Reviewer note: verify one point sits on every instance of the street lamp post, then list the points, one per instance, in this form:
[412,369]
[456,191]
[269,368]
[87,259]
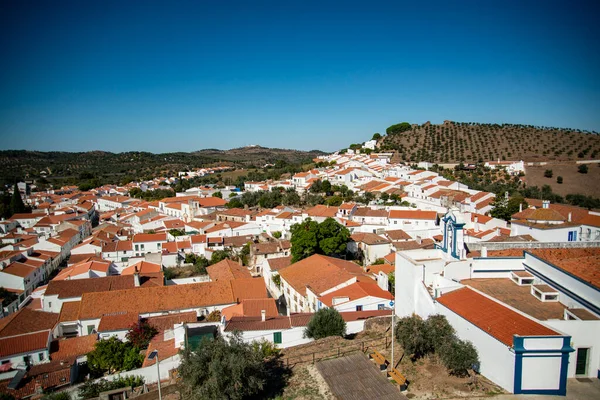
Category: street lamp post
[393,314]
[152,356]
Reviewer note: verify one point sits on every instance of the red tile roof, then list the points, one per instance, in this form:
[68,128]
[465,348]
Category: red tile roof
[150,237]
[227,270]
[155,299]
[24,343]
[118,321]
[356,291]
[63,349]
[493,318]
[143,267]
[248,288]
[583,263]
[251,308]
[163,322]
[69,311]
[26,321]
[321,273]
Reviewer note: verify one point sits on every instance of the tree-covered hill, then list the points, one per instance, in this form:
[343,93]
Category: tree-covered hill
[110,166]
[453,142]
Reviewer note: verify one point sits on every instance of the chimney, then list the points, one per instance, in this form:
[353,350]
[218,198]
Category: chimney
[483,251]
[263,315]
[136,277]
[476,224]
[569,217]
[520,207]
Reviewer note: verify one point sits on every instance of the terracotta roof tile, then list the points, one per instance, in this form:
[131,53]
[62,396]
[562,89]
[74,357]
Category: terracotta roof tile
[164,322]
[77,287]
[356,291]
[320,273]
[493,318]
[63,349]
[251,308]
[227,270]
[583,263]
[24,343]
[26,321]
[69,311]
[155,299]
[118,321]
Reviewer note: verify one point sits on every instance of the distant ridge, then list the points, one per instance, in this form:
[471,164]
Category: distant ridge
[25,163]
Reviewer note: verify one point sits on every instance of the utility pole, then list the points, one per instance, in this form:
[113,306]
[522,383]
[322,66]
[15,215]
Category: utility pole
[393,314]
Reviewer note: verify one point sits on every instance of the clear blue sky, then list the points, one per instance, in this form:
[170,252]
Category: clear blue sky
[181,76]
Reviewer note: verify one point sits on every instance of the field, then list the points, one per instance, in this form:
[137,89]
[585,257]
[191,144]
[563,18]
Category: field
[471,142]
[573,181]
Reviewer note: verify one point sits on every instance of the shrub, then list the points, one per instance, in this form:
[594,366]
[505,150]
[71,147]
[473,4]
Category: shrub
[583,169]
[326,322]
[276,234]
[140,334]
[548,173]
[439,331]
[221,369]
[92,389]
[214,316]
[411,333]
[559,179]
[458,356]
[112,355]
[57,396]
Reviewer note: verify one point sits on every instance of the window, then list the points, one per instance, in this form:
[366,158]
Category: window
[277,337]
[90,329]
[581,363]
[49,304]
[573,236]
[381,306]
[42,356]
[359,308]
[142,247]
[137,247]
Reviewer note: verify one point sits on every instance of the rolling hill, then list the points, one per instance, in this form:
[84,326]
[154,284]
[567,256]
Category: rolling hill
[453,142]
[110,166]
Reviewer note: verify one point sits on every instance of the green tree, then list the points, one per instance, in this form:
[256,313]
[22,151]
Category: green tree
[16,202]
[235,203]
[326,187]
[304,239]
[217,194]
[376,136]
[392,282]
[221,369]
[112,355]
[559,179]
[276,234]
[309,237]
[504,209]
[548,173]
[333,237]
[458,356]
[583,169]
[326,322]
[411,333]
[439,331]
[219,255]
[398,128]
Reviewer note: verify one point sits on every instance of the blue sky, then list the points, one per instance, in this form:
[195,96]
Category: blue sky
[181,76]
